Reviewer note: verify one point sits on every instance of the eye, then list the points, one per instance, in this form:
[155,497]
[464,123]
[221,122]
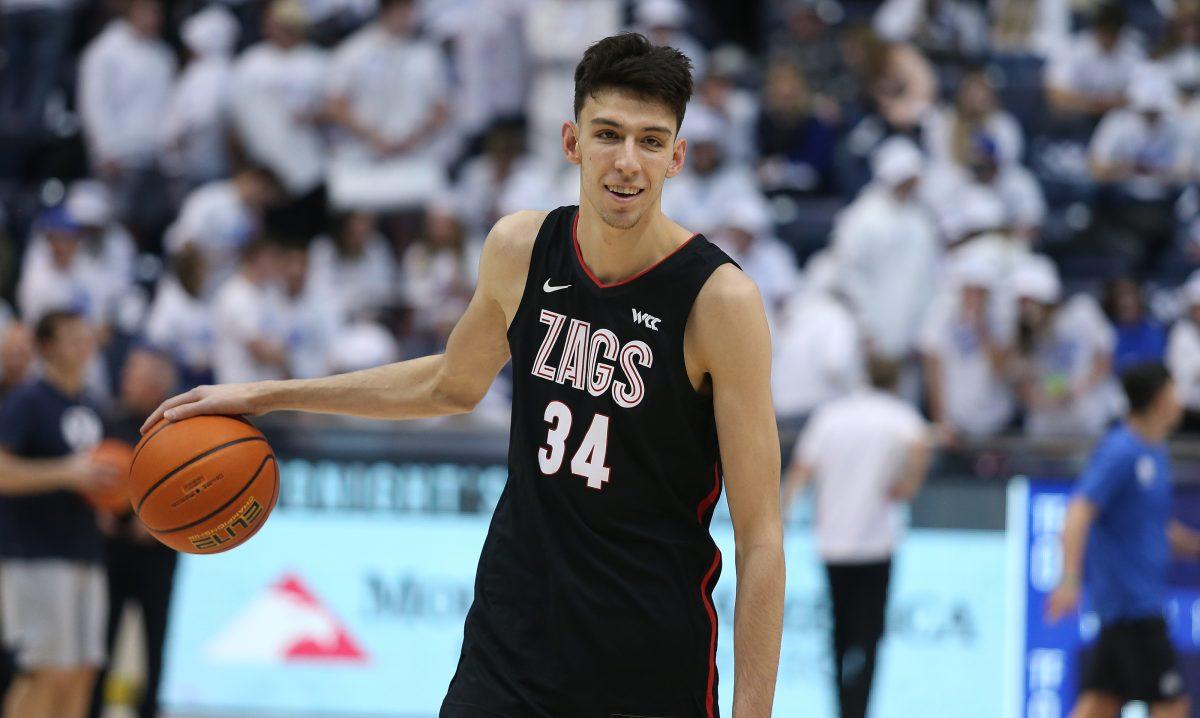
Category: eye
[653,142]
[606,134]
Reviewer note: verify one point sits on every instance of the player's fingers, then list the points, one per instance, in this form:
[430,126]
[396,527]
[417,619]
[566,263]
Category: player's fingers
[168,406]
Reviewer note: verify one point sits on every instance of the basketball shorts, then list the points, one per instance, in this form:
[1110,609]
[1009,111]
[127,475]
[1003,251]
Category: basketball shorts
[1135,661]
[53,612]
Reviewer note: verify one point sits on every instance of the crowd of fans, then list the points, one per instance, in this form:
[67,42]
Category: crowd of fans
[1002,194]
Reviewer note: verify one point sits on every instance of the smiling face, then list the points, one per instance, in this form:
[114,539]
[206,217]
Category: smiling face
[626,147]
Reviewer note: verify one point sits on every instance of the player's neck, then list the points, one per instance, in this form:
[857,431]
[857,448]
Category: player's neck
[67,383]
[1147,430]
[614,254]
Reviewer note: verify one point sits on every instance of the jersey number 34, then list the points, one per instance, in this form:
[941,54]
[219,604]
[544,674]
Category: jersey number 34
[588,460]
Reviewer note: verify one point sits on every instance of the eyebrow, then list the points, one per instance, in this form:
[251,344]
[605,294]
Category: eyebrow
[614,123]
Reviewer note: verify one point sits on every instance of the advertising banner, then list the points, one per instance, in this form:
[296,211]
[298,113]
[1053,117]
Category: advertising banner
[351,600]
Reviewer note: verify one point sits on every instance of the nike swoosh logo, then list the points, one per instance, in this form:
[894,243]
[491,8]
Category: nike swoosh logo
[548,287]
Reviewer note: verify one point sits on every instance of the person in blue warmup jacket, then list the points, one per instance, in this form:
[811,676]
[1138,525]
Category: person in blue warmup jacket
[1117,541]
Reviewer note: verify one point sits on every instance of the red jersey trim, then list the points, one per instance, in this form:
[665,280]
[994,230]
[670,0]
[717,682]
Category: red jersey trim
[705,505]
[596,280]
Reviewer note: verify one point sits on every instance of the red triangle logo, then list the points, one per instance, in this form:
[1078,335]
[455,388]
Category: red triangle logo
[341,646]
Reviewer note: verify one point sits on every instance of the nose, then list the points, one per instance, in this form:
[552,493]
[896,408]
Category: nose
[627,163]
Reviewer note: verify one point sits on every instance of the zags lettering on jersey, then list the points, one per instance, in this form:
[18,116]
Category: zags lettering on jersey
[589,359]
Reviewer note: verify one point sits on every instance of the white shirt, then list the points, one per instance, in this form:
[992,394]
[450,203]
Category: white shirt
[219,223]
[1183,359]
[817,353]
[480,189]
[948,187]
[1081,66]
[977,398]
[937,132]
[439,283]
[540,185]
[361,284]
[1124,137]
[701,202]
[857,448]
[886,253]
[197,120]
[243,312]
[272,94]
[311,322]
[1078,333]
[490,59]
[183,325]
[125,83]
[392,84]
[83,286]
[1047,30]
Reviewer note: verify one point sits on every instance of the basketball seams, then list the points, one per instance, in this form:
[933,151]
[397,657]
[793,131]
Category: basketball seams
[222,507]
[189,462]
[267,512]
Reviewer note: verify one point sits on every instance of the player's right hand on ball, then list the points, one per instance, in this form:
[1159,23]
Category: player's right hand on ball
[228,399]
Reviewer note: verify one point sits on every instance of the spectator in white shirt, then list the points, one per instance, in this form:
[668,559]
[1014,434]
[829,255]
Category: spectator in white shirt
[485,178]
[887,247]
[1029,27]
[107,240]
[556,34]
[312,317]
[1183,352]
[1090,74]
[180,321]
[949,132]
[738,108]
[817,347]
[1180,54]
[866,455]
[277,97]
[221,217]
[952,189]
[126,75]
[389,96]
[356,265]
[700,196]
[943,29]
[439,275]
[249,319]
[1064,357]
[664,23]
[965,352]
[195,128]
[56,274]
[1143,152]
[747,235]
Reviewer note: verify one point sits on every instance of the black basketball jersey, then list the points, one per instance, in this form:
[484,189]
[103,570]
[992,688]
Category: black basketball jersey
[593,596]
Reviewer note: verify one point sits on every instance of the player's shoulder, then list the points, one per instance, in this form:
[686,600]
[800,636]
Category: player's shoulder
[727,293]
[509,247]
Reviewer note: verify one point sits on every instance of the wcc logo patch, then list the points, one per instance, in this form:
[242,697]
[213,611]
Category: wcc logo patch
[645,320]
[1146,470]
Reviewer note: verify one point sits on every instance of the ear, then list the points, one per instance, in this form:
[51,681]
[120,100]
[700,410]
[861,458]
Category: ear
[678,155]
[570,142]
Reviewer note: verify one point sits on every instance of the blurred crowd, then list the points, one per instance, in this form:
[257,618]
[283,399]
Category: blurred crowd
[1001,194]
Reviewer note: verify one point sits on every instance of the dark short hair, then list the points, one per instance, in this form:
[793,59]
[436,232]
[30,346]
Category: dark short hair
[46,328]
[884,372]
[1110,16]
[1143,383]
[630,62]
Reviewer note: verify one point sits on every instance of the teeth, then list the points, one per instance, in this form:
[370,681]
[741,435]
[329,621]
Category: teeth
[625,191]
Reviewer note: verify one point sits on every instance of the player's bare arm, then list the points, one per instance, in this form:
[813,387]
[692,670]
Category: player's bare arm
[1080,515]
[449,383]
[19,476]
[728,339]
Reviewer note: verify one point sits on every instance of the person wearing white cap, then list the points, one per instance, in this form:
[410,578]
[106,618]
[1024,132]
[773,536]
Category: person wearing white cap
[389,95]
[664,21]
[817,345]
[747,235]
[1064,356]
[277,98]
[1183,352]
[887,247]
[964,351]
[700,196]
[194,146]
[1143,152]
[89,204]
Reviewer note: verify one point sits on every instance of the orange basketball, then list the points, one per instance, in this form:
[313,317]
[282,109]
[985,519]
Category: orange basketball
[204,484]
[119,455]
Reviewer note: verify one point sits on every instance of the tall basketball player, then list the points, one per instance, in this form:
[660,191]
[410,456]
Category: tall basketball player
[641,364]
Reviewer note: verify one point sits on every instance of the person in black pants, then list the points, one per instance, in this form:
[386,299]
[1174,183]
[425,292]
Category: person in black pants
[140,569]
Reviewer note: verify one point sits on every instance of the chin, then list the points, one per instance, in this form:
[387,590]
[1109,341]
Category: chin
[620,220]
